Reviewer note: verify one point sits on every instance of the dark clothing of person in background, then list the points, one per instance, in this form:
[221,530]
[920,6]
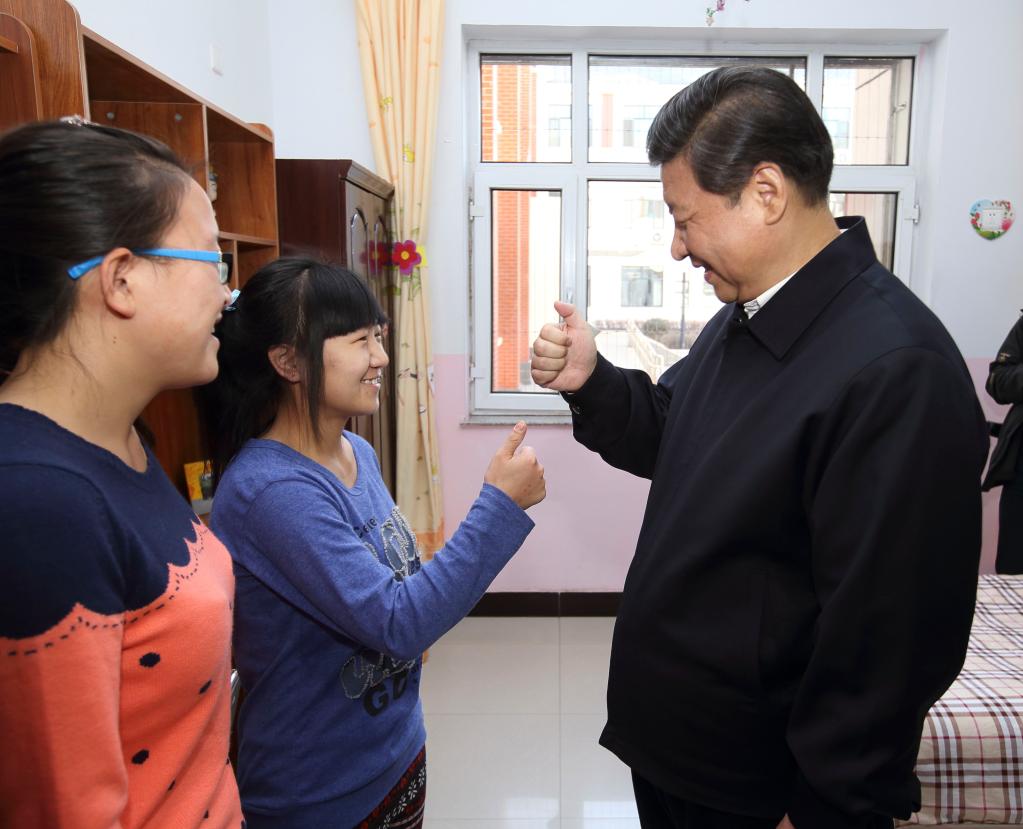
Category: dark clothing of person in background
[1005,385]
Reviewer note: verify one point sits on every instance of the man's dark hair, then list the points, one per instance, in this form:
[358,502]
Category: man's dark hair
[733,118]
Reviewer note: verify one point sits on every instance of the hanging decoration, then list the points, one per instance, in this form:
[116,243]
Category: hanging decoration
[406,257]
[991,219]
[719,6]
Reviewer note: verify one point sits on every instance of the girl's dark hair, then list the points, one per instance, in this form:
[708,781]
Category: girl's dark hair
[70,191]
[729,120]
[292,301]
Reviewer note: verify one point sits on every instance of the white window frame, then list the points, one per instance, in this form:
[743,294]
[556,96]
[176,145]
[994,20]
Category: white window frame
[572,179]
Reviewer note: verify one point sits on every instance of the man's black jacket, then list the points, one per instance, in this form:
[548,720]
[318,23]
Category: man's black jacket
[804,580]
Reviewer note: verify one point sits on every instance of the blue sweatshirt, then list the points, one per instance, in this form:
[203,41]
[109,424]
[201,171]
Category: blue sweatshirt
[332,614]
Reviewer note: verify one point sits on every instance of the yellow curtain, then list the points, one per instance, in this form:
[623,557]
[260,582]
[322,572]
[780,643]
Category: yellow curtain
[399,47]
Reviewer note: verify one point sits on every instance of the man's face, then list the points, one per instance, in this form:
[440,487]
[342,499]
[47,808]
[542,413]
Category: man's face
[715,235]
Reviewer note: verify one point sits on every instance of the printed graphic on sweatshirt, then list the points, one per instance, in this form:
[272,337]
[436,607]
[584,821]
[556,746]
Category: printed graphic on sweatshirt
[368,670]
[400,549]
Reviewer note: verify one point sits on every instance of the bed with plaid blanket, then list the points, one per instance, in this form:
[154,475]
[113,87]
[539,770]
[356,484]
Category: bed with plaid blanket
[971,756]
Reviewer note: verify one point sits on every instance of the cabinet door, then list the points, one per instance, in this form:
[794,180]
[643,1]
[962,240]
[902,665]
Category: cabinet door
[359,208]
[381,276]
[366,242]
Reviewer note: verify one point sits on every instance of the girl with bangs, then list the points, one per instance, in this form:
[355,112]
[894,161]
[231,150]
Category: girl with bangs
[334,608]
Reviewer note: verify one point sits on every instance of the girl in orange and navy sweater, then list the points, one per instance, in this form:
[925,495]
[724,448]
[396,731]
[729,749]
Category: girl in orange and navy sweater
[115,600]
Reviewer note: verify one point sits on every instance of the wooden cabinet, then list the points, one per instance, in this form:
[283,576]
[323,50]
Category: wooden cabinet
[337,211]
[21,99]
[77,72]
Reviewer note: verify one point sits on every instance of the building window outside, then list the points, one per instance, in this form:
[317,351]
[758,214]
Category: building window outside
[591,227]
[559,125]
[641,287]
[836,119]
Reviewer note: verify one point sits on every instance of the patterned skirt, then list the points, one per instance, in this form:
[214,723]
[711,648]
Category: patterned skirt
[403,806]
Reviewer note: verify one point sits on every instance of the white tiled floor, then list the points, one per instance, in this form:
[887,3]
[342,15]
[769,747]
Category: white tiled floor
[514,708]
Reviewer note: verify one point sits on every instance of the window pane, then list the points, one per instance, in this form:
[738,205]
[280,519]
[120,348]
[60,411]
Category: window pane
[526,277]
[866,109]
[625,94]
[879,209]
[526,107]
[639,299]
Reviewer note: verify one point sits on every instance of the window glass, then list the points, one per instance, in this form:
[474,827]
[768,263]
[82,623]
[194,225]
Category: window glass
[647,308]
[867,107]
[526,107]
[526,273]
[879,209]
[625,93]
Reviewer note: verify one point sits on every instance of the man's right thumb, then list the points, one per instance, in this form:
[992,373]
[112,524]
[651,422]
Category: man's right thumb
[566,311]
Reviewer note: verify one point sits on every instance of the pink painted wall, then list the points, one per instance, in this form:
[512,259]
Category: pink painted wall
[587,527]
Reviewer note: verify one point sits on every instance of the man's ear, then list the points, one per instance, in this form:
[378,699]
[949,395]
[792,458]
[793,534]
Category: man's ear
[116,282]
[285,362]
[770,191]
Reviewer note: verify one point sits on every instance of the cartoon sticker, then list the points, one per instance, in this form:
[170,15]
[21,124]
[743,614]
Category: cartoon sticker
[991,219]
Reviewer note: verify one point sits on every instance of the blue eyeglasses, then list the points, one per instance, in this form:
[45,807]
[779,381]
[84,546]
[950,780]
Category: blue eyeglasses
[221,260]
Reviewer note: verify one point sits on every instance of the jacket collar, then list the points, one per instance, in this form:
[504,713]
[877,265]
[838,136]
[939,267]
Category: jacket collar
[791,311]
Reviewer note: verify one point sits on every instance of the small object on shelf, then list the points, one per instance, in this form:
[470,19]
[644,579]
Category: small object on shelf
[199,477]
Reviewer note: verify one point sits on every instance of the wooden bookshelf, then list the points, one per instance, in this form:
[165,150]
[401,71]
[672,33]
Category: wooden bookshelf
[77,71]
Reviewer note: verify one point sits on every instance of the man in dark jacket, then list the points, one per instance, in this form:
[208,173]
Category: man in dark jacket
[803,584]
[1005,385]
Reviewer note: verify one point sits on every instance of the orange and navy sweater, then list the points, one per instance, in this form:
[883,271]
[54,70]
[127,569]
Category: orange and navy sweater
[115,631]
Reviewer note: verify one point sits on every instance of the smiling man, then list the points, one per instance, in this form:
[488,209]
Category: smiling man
[803,584]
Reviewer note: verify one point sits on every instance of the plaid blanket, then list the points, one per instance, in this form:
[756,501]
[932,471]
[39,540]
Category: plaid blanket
[971,757]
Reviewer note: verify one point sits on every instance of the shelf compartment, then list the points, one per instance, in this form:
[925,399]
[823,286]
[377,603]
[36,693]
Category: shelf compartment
[114,75]
[263,241]
[244,165]
[249,253]
[178,125]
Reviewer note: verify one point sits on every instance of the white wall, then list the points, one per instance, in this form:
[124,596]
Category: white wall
[317,83]
[175,40]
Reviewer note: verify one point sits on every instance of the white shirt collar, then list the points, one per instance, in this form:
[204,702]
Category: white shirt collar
[755,305]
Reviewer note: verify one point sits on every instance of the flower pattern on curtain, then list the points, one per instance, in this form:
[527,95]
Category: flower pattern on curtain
[399,48]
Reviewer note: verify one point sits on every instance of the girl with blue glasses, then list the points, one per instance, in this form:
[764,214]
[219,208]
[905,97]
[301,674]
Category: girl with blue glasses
[115,601]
